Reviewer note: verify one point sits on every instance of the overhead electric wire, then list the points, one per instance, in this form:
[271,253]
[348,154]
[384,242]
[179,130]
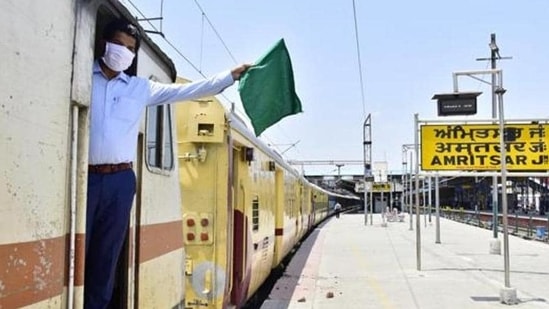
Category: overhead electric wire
[201,40]
[357,40]
[196,68]
[205,16]
[215,31]
[166,40]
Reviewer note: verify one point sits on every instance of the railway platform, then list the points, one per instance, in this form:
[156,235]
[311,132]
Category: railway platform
[346,264]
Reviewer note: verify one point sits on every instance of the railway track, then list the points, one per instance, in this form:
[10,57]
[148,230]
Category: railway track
[531,226]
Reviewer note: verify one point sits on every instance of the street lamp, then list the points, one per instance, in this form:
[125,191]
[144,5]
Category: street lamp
[497,96]
[339,165]
[507,294]
[368,177]
[494,56]
[403,180]
[390,181]
[405,149]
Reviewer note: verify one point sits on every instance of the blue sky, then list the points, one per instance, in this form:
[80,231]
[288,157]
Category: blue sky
[409,50]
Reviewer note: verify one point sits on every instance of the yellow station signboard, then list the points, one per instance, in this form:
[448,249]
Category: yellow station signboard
[381,187]
[476,147]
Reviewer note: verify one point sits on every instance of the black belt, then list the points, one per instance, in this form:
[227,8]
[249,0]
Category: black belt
[109,168]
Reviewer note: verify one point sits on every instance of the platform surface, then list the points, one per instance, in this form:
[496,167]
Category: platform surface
[347,264]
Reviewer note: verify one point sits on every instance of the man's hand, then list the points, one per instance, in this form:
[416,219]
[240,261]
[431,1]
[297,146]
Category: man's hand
[239,70]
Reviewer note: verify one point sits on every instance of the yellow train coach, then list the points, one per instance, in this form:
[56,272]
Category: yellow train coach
[244,208]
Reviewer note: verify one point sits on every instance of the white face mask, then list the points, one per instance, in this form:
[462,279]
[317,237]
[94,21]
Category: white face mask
[117,57]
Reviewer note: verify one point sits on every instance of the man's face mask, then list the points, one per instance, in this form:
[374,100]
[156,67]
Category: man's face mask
[117,57]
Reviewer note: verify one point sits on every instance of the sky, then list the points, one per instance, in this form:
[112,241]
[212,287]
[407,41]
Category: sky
[408,51]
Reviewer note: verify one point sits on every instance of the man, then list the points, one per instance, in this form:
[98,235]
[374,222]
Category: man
[117,103]
[337,209]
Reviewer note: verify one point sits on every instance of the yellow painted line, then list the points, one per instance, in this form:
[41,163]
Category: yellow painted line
[372,282]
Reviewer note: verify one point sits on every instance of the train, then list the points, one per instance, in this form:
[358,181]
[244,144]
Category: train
[215,209]
[244,207]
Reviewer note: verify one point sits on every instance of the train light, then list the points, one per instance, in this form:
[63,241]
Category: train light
[247,154]
[204,222]
[202,153]
[190,222]
[207,282]
[272,166]
[190,236]
[188,266]
[204,236]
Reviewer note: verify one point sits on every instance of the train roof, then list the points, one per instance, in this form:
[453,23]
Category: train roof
[238,124]
[335,194]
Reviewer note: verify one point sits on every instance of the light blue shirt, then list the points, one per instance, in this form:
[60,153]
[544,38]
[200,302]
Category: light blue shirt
[117,106]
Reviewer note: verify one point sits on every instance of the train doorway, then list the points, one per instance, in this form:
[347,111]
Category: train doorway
[123,287]
[240,230]
[126,284]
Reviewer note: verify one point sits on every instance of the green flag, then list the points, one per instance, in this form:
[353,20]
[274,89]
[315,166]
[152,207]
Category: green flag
[267,89]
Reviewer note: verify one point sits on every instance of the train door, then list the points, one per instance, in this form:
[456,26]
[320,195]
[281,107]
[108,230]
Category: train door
[313,208]
[296,209]
[135,229]
[231,201]
[300,227]
[241,236]
[280,203]
[123,289]
[308,196]
[125,293]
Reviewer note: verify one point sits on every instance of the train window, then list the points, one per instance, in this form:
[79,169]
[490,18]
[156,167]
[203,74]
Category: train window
[159,151]
[255,214]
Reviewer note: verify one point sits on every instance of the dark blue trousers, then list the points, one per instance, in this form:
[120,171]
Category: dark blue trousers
[110,198]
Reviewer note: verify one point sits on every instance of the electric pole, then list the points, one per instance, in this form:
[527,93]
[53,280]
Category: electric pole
[494,57]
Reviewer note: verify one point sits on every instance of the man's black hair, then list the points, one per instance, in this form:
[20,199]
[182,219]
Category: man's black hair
[123,26]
